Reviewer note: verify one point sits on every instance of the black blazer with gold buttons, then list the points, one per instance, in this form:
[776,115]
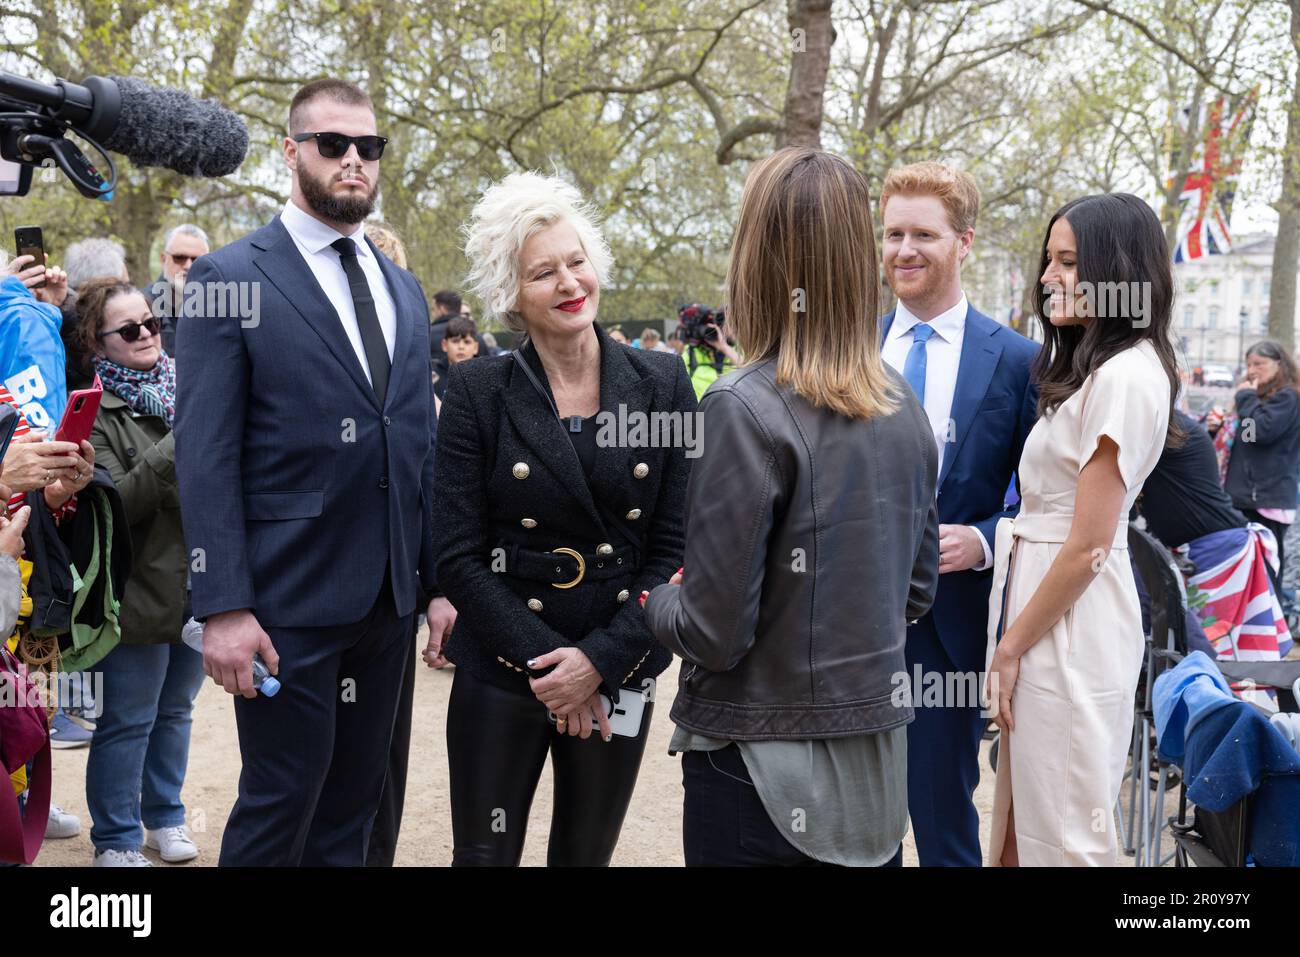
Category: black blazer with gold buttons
[533,554]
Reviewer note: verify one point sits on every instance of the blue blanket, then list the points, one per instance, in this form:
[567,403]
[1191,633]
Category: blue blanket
[1182,697]
[1233,752]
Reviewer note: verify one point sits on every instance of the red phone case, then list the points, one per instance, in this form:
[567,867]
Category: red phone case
[79,414]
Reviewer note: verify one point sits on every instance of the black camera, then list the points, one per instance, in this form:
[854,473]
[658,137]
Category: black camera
[696,319]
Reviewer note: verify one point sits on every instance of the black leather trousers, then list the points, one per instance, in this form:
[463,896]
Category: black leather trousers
[497,743]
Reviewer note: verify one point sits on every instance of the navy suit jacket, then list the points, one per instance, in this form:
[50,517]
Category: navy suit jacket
[993,409]
[299,488]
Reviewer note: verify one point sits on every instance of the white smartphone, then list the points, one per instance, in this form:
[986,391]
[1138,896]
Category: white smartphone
[625,719]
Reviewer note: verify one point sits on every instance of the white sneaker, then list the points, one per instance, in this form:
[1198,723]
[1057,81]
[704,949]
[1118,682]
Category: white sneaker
[113,858]
[61,823]
[173,844]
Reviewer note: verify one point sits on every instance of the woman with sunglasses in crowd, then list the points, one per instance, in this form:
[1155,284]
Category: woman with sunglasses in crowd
[141,745]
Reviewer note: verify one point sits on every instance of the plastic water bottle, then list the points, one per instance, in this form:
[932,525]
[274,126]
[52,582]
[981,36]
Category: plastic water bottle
[263,681]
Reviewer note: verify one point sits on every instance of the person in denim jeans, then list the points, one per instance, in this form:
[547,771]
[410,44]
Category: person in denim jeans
[141,746]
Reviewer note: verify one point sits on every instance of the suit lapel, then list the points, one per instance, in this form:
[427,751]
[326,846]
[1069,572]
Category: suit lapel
[625,395]
[405,319]
[285,268]
[544,434]
[979,359]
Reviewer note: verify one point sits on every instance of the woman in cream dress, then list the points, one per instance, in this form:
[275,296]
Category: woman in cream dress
[1063,675]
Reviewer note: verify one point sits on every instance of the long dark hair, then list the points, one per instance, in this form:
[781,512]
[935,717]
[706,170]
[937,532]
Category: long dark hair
[1121,252]
[1286,369]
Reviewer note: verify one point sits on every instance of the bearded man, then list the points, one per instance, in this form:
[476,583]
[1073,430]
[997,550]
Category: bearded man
[971,374]
[304,459]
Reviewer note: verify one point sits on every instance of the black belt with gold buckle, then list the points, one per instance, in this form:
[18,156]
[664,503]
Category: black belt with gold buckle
[567,567]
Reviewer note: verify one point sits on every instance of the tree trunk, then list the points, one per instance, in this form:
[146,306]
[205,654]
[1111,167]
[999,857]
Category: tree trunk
[1286,251]
[811,36]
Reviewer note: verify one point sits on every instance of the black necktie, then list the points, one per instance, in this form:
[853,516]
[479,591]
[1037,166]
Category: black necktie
[372,336]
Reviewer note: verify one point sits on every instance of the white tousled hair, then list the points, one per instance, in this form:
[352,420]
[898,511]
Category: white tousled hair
[502,221]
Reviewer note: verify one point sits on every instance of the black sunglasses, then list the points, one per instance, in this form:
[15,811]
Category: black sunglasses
[334,145]
[130,331]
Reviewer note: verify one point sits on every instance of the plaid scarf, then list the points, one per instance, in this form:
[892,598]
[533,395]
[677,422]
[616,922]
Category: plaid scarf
[152,392]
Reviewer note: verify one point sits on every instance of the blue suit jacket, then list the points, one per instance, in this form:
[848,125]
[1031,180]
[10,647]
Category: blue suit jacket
[298,487]
[993,408]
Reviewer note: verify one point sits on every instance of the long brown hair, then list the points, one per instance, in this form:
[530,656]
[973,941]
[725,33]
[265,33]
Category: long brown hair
[1286,369]
[803,285]
[1121,246]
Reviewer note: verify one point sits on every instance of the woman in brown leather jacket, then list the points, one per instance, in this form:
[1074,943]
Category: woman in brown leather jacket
[812,540]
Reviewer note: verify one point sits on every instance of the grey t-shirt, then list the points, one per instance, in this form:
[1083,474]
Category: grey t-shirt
[838,800]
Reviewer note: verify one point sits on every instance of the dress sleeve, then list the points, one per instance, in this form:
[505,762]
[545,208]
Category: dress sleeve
[1127,400]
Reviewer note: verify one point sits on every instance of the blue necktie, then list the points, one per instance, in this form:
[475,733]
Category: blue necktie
[914,367]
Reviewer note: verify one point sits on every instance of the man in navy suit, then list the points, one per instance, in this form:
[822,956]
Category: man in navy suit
[304,456]
[972,376]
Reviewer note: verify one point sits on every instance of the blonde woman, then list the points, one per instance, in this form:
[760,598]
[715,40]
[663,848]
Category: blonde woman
[546,533]
[812,542]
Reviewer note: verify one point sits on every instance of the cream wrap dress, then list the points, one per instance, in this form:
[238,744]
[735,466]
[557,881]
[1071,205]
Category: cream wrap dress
[1072,705]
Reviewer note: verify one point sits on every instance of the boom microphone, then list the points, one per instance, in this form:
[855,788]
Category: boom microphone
[168,128]
[151,126]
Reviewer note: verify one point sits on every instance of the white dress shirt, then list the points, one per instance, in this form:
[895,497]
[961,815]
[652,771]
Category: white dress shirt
[313,238]
[942,360]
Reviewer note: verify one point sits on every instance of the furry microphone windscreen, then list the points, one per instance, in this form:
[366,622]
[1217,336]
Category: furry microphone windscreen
[164,127]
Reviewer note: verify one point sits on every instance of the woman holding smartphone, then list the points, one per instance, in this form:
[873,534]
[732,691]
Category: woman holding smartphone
[141,746]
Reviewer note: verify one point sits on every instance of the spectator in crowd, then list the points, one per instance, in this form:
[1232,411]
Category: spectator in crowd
[446,305]
[181,246]
[87,259]
[490,341]
[1261,443]
[784,709]
[583,526]
[618,335]
[95,258]
[386,239]
[705,348]
[459,343]
[32,358]
[1232,604]
[1062,694]
[141,745]
[30,318]
[652,341]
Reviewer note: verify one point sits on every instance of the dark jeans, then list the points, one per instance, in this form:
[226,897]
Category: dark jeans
[724,823]
[315,756]
[497,743]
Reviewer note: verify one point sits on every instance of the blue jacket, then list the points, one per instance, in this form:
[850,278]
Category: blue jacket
[994,407]
[1234,752]
[32,355]
[1182,696]
[299,489]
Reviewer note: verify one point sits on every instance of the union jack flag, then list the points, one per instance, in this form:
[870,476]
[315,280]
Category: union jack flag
[1212,180]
